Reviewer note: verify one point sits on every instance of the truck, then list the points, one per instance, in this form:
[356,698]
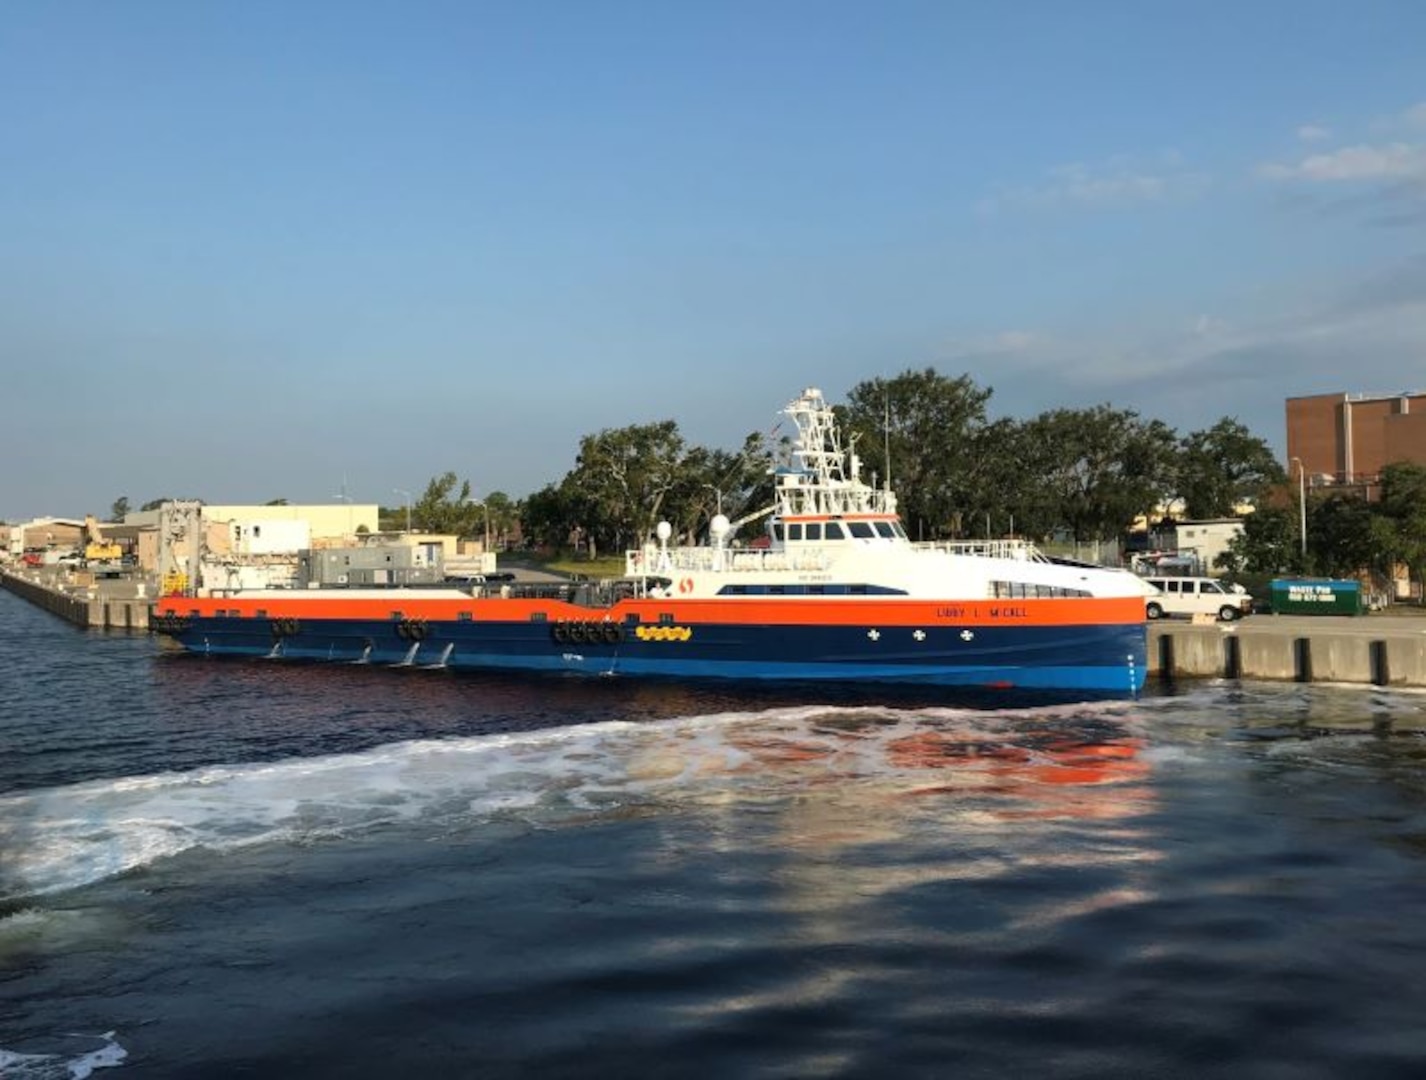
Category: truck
[101,555]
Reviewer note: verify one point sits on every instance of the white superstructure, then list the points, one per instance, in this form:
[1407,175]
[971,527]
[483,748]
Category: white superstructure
[830,532]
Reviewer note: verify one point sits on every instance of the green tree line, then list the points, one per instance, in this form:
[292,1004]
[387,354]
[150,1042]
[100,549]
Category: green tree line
[1338,534]
[1082,473]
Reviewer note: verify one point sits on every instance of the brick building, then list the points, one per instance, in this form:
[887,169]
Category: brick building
[1348,438]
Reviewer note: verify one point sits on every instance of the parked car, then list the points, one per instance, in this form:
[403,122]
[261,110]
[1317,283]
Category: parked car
[1197,596]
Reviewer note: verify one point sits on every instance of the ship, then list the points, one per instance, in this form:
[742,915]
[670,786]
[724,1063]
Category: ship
[834,591]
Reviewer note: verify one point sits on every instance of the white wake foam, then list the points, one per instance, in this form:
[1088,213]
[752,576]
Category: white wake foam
[18,1066]
[62,838]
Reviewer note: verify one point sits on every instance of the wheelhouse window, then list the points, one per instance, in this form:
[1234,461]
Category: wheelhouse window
[794,531]
[814,531]
[884,529]
[834,531]
[861,530]
[1024,590]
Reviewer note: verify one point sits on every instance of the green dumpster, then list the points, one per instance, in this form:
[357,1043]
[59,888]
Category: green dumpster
[1315,596]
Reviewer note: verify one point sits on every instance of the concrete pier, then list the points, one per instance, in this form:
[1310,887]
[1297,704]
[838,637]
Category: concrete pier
[1380,650]
[120,604]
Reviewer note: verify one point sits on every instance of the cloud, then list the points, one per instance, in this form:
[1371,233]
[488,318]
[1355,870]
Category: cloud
[988,346]
[1353,163]
[1207,326]
[1013,341]
[1118,182]
[1383,182]
[1313,133]
[1359,340]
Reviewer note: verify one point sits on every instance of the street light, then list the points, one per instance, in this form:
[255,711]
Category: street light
[1301,500]
[716,491]
[348,500]
[485,506]
[399,491]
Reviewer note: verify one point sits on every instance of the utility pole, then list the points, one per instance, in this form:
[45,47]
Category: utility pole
[1302,502]
[486,507]
[400,491]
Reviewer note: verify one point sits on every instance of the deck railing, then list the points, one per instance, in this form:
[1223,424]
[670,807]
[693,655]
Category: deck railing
[669,562]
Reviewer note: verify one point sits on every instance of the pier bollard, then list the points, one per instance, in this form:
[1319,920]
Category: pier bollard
[1232,657]
[1380,663]
[1166,662]
[1302,658]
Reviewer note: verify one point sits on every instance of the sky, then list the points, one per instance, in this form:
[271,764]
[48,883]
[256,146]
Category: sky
[258,250]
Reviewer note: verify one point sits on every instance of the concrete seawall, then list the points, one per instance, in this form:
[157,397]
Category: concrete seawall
[103,605]
[1376,650]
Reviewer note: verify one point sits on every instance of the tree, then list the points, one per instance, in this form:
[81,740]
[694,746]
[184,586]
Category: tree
[120,508]
[744,481]
[445,507]
[1341,539]
[931,426]
[710,482]
[276,502]
[502,513]
[1222,467]
[623,476]
[552,514]
[1103,467]
[1403,514]
[1269,544]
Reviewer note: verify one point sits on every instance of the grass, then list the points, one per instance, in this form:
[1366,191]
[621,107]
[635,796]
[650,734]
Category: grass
[564,562]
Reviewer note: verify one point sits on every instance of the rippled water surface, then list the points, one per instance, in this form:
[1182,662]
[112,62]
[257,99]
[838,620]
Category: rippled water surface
[226,868]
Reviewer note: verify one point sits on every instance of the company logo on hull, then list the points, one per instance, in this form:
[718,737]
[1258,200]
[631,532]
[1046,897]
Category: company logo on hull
[663,633]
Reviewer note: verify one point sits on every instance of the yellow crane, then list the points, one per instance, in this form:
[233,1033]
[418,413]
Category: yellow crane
[101,554]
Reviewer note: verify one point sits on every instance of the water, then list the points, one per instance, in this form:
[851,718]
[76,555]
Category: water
[228,868]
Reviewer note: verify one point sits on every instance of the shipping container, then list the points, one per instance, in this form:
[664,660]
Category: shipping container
[368,565]
[1315,596]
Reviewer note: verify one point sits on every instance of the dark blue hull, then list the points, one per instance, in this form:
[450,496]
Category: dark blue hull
[1091,659]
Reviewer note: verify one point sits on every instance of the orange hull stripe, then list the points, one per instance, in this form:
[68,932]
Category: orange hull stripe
[724,610]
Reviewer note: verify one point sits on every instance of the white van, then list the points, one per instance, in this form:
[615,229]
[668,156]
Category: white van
[1196,596]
